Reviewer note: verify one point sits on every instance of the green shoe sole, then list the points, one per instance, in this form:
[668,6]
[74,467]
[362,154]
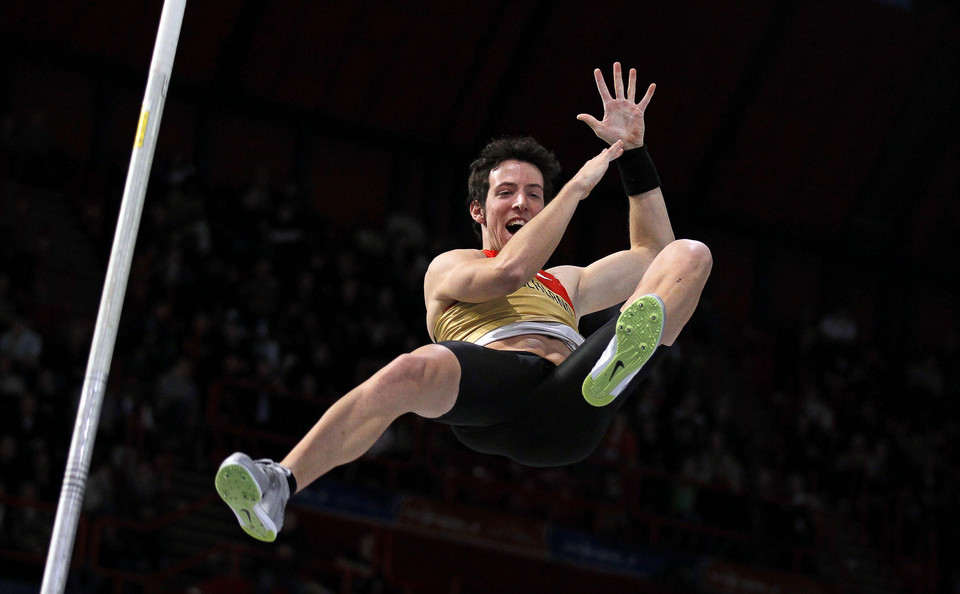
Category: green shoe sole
[639,329]
[238,490]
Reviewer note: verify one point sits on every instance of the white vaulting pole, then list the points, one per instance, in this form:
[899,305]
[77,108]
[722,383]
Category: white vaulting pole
[111,302]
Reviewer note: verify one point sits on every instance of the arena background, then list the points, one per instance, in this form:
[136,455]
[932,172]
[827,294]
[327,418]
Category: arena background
[312,158]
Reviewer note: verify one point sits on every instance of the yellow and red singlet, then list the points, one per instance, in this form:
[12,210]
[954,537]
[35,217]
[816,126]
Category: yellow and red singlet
[540,306]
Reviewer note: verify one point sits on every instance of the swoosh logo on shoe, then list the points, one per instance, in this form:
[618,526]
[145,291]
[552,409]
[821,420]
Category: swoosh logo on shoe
[246,514]
[616,366]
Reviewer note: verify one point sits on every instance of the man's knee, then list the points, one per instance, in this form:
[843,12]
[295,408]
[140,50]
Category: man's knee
[420,368]
[695,252]
[693,255]
[428,377]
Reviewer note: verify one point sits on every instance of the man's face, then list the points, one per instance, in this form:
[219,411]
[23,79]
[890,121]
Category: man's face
[515,196]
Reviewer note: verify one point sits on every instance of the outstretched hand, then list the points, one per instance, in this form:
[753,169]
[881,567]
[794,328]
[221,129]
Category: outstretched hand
[592,171]
[622,116]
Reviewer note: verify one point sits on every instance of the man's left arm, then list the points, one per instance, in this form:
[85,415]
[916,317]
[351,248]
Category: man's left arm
[613,279]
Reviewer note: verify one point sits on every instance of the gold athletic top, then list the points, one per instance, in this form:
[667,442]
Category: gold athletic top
[542,299]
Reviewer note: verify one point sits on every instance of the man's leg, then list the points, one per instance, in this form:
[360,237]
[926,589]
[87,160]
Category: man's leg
[677,276]
[424,382]
[659,308]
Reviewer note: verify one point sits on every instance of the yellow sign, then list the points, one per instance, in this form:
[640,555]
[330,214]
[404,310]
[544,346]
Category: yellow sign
[142,128]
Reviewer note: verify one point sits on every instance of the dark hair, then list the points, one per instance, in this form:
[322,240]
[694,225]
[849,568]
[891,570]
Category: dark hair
[510,148]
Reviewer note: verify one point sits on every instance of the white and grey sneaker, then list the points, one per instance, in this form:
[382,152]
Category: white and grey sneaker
[257,491]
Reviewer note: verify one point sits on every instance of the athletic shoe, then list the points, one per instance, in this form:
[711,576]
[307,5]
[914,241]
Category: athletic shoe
[639,329]
[257,491]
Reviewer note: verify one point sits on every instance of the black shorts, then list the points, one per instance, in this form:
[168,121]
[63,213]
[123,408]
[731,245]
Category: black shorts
[521,406]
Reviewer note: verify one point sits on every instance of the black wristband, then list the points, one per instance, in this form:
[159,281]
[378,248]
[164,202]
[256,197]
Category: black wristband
[637,171]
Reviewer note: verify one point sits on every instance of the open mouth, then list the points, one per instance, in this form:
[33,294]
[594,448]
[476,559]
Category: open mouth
[515,225]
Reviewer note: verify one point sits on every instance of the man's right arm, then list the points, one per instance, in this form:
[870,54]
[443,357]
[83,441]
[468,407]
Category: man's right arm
[454,275]
[468,275]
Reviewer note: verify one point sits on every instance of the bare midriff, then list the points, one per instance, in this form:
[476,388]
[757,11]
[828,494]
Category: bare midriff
[551,349]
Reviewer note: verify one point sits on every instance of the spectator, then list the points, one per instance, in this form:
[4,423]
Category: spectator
[178,407]
[12,383]
[21,343]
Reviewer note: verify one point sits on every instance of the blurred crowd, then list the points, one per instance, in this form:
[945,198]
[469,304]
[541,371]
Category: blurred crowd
[251,283]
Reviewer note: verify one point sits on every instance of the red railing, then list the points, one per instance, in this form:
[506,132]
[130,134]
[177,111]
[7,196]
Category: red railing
[452,469]
[383,564]
[234,556]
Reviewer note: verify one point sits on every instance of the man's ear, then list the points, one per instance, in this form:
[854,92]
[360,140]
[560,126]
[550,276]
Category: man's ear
[476,211]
